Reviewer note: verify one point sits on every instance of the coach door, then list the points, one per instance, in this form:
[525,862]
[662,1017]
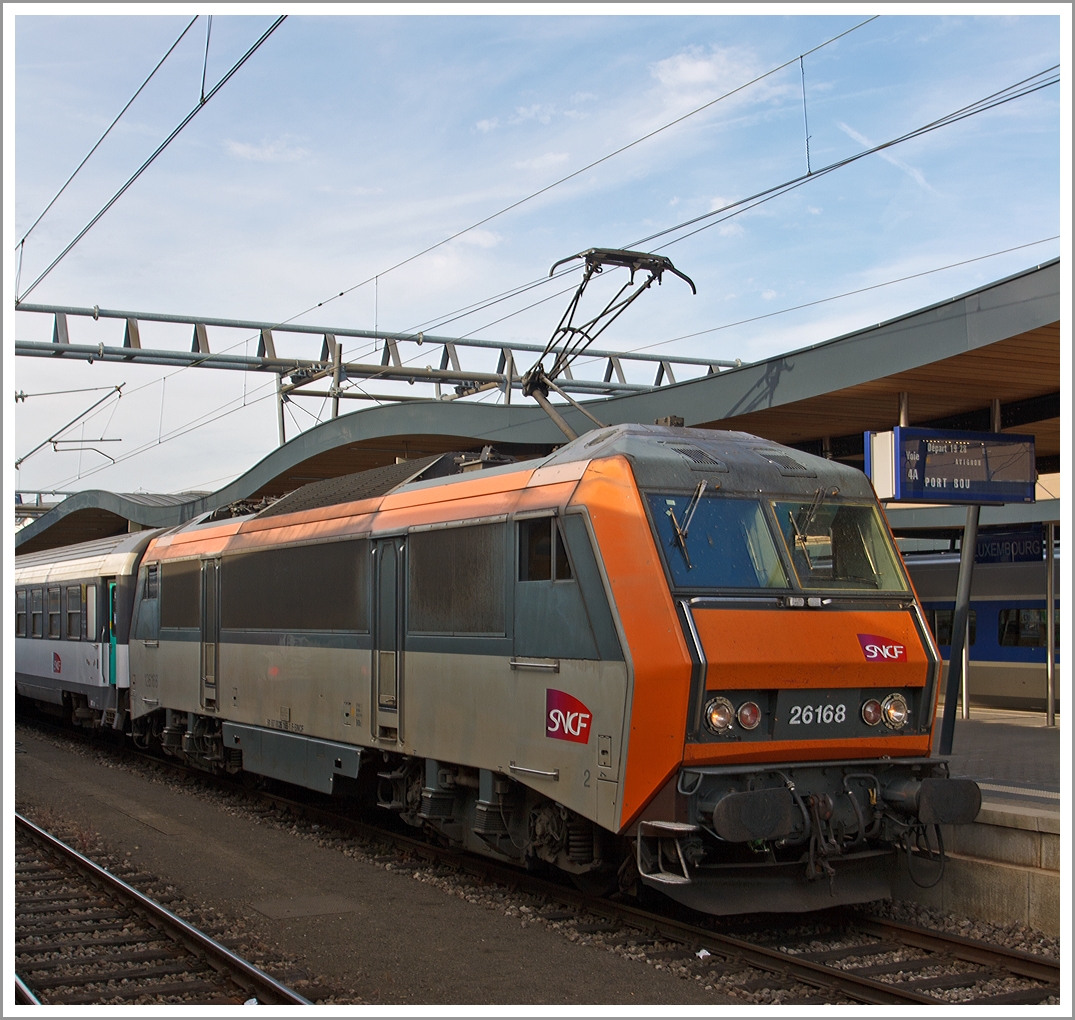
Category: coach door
[111,633]
[388,557]
[210,660]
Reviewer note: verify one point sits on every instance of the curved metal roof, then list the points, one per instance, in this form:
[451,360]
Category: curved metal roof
[1001,341]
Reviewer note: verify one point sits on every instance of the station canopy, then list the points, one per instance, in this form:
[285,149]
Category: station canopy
[953,359]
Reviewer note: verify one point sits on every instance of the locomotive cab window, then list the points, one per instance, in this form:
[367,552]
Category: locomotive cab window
[74,613]
[37,613]
[152,582]
[542,553]
[839,546]
[54,613]
[716,542]
[20,614]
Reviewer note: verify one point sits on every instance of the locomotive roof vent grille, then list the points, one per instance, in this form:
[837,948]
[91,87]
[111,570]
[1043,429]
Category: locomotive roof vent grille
[349,488]
[786,465]
[698,456]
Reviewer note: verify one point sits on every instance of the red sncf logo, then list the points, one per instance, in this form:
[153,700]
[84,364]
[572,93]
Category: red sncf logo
[566,718]
[882,649]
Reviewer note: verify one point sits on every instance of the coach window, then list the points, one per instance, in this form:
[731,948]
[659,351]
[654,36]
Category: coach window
[91,612]
[542,553]
[74,613]
[1024,628]
[20,613]
[54,613]
[942,626]
[37,613]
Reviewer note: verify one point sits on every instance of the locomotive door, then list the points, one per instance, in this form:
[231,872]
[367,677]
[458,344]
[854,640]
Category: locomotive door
[387,671]
[210,632]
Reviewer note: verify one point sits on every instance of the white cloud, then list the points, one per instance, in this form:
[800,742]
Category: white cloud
[280,150]
[719,70]
[913,172]
[542,162]
[481,238]
[731,230]
[582,97]
[768,295]
[813,210]
[719,202]
[536,111]
[486,126]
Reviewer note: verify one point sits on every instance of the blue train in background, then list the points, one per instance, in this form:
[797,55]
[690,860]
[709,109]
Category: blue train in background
[1007,625]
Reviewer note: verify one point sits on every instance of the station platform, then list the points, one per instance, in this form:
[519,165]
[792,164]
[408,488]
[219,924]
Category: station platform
[1008,752]
[1006,865]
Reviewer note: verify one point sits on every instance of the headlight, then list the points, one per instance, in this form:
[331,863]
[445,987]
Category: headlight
[895,711]
[749,715]
[871,712]
[719,714]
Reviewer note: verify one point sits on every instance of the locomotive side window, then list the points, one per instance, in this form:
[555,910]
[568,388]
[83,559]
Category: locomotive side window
[1025,628]
[180,596]
[307,587]
[835,546]
[714,542]
[54,613]
[456,581]
[542,553]
[152,582]
[20,613]
[74,613]
[37,613]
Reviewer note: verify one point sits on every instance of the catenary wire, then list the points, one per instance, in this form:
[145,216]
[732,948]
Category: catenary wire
[986,103]
[831,297]
[751,202]
[108,130]
[1006,95]
[580,170]
[542,280]
[759,198]
[156,152]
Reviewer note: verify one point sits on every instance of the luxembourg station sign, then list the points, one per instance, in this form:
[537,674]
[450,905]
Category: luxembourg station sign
[915,465]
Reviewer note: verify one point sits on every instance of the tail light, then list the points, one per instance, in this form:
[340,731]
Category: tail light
[749,715]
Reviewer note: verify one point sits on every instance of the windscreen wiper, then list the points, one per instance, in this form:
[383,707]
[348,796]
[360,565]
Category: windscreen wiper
[688,516]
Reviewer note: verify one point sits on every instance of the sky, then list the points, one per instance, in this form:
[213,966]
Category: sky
[348,144]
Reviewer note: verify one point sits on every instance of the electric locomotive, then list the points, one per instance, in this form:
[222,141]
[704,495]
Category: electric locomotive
[684,658]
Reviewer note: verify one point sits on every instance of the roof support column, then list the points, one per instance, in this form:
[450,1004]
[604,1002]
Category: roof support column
[905,410]
[280,410]
[994,415]
[337,350]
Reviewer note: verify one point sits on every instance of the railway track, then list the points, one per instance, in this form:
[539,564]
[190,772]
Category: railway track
[82,936]
[845,957]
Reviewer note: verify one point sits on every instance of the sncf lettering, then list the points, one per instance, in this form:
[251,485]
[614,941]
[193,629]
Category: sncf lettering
[566,718]
[882,649]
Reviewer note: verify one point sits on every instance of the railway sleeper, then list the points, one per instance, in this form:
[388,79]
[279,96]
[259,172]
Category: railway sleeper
[157,990]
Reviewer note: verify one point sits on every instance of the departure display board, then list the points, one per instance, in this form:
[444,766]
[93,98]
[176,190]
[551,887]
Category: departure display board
[915,465]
